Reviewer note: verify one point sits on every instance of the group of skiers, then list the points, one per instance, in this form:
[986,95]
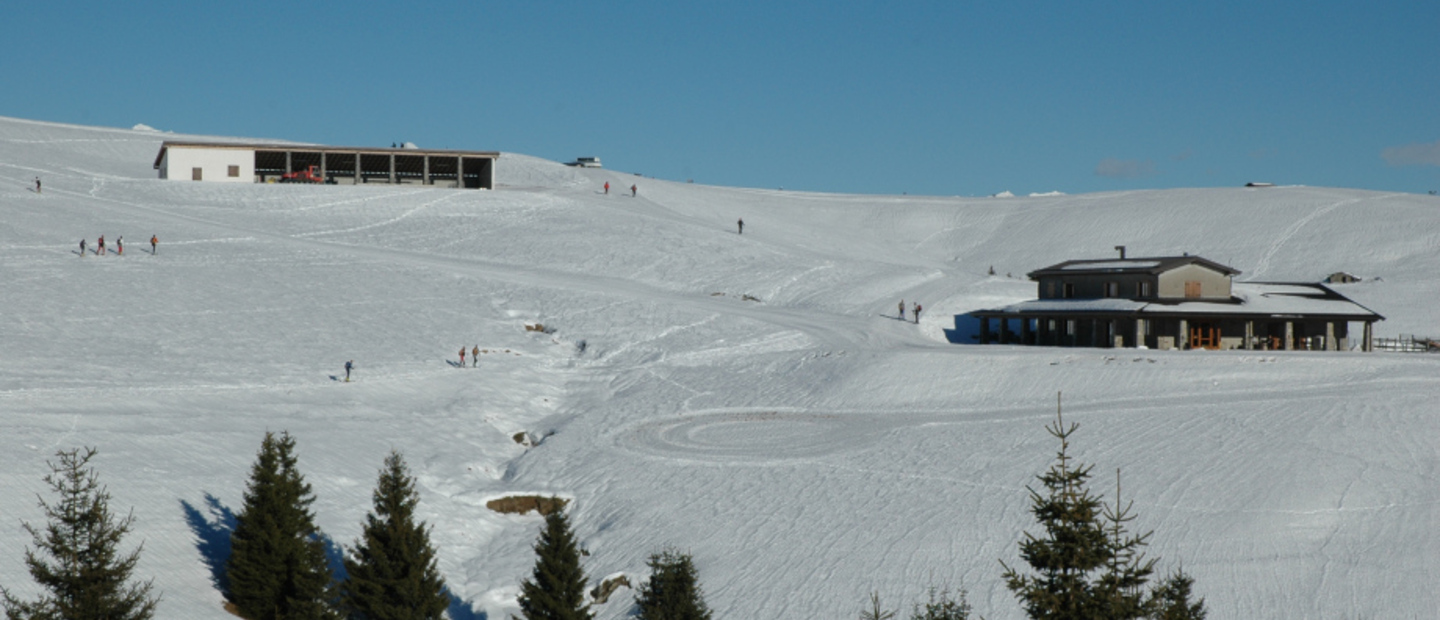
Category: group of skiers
[633,190]
[916,311]
[474,356]
[119,245]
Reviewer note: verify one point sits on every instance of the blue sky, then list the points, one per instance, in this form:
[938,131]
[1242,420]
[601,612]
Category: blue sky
[945,98]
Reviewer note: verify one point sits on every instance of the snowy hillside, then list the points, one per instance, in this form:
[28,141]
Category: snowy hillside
[751,399]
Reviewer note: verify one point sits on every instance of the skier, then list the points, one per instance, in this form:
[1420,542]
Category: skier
[475,356]
[917,313]
[82,248]
[462,357]
[348,366]
[902,309]
[37,185]
[153,241]
[100,249]
[740,223]
[632,191]
[120,245]
[607,188]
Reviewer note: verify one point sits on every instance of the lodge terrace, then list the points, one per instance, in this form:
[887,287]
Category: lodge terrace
[261,163]
[1175,302]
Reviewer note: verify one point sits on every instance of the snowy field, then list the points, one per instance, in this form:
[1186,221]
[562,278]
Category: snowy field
[805,446]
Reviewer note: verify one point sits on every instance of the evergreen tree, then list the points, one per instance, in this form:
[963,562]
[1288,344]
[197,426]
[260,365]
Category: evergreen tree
[277,567]
[84,575]
[556,588]
[673,592]
[1121,588]
[1075,546]
[942,607]
[392,573]
[1088,565]
[876,611]
[1171,600]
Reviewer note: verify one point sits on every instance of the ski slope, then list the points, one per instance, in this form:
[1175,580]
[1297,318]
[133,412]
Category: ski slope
[805,445]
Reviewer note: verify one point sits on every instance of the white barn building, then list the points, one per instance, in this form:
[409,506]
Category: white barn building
[262,163]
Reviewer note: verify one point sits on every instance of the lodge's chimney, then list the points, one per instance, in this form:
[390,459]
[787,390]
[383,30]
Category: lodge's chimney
[1122,251]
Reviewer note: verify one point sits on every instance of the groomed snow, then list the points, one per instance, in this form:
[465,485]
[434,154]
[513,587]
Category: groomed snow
[750,399]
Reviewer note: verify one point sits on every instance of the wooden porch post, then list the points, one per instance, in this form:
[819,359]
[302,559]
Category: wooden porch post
[1289,335]
[1369,338]
[1330,336]
[1139,332]
[1026,336]
[1249,335]
[1183,338]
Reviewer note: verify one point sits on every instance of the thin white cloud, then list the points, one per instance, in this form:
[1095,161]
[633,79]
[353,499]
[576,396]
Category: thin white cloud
[1124,168]
[1413,154]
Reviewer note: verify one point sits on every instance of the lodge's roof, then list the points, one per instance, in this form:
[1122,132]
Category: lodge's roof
[1110,266]
[1276,300]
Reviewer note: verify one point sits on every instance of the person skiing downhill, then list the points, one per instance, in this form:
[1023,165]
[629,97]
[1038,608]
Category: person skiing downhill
[37,185]
[917,313]
[462,357]
[100,246]
[82,248]
[348,366]
[475,356]
[607,188]
[120,245]
[153,240]
[740,225]
[632,191]
[902,309]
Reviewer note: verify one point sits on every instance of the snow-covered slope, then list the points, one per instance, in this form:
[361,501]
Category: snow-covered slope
[804,445]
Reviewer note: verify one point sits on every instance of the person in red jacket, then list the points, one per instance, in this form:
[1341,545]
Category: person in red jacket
[607,187]
[632,191]
[153,240]
[462,357]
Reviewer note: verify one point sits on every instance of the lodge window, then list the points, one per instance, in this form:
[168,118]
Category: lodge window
[1050,289]
[1068,290]
[1142,289]
[234,171]
[1192,289]
[195,174]
[1112,289]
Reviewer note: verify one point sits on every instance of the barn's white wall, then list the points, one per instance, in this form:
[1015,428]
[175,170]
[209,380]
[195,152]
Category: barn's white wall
[214,164]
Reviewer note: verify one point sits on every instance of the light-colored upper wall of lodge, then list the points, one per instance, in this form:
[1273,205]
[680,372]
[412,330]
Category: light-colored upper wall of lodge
[1213,284]
[1092,286]
[1169,284]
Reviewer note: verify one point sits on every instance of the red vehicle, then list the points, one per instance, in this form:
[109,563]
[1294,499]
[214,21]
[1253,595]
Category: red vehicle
[302,176]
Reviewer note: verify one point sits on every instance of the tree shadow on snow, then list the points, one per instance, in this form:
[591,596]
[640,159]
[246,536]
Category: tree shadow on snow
[212,530]
[460,609]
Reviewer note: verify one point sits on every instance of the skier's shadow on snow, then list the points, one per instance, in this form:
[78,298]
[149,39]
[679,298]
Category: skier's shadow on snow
[212,534]
[454,364]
